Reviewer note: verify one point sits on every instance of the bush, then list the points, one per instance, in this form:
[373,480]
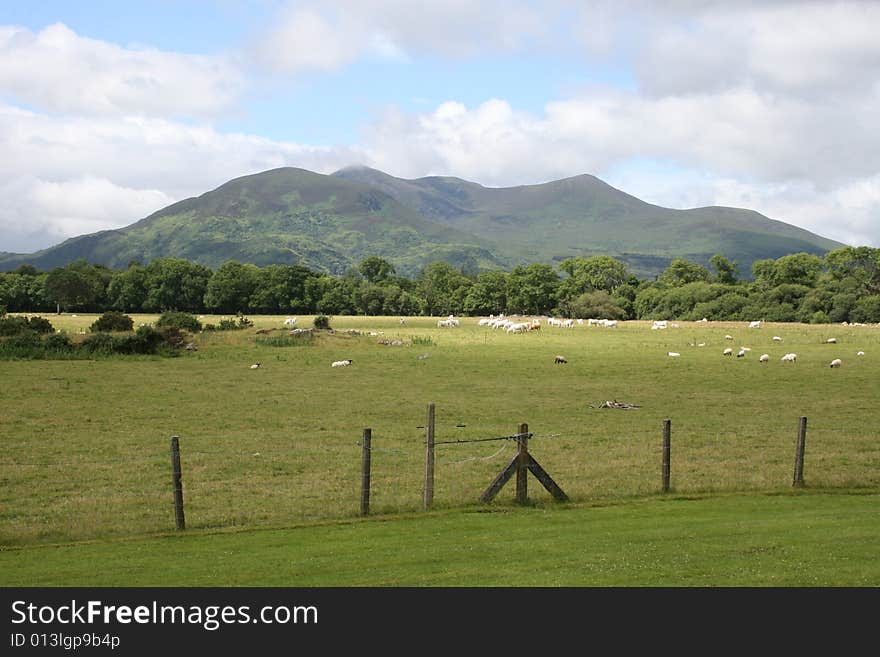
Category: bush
[146,340]
[229,324]
[179,320]
[99,343]
[321,322]
[112,320]
[57,342]
[18,325]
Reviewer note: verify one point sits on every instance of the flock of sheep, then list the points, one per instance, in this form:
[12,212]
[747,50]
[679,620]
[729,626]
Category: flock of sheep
[523,325]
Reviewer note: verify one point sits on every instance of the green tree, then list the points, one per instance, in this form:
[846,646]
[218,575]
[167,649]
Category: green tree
[725,270]
[376,270]
[597,304]
[282,289]
[488,294]
[532,289]
[593,273]
[68,288]
[866,310]
[443,289]
[176,284]
[230,288]
[681,272]
[860,264]
[127,290]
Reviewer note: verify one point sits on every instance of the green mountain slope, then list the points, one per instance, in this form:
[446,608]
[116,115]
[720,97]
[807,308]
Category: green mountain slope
[332,222]
[584,216]
[282,216]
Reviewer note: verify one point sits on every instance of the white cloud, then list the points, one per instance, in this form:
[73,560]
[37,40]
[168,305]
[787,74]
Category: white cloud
[60,71]
[67,176]
[770,106]
[40,212]
[325,36]
[778,157]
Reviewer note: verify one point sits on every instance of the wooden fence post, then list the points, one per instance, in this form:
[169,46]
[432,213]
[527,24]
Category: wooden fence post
[365,471]
[798,479]
[176,482]
[667,444]
[522,466]
[429,460]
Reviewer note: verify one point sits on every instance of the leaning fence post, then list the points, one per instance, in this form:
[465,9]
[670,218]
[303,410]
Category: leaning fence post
[429,460]
[667,440]
[522,466]
[365,472]
[798,479]
[176,482]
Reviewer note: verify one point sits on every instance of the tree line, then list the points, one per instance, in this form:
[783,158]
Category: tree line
[841,286]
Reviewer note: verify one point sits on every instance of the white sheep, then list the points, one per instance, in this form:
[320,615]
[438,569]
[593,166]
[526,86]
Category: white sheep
[728,337]
[860,353]
[290,321]
[776,338]
[836,362]
[831,341]
[560,360]
[673,354]
[255,366]
[789,358]
[755,324]
[727,352]
[763,358]
[341,363]
[740,353]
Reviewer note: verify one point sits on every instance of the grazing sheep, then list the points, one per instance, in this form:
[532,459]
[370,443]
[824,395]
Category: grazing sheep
[728,337]
[341,363]
[789,358]
[290,321]
[560,360]
[861,353]
[673,354]
[831,341]
[836,362]
[763,358]
[740,353]
[255,366]
[727,352]
[776,338]
[755,324]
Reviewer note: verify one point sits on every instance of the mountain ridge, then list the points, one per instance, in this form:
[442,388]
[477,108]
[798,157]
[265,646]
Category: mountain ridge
[330,222]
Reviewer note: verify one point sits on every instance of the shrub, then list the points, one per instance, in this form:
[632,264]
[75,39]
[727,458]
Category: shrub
[321,322]
[146,340]
[112,320]
[57,342]
[229,324]
[173,337]
[99,343]
[179,320]
[17,325]
[12,325]
[40,325]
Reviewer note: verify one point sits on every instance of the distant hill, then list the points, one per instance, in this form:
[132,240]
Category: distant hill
[332,222]
[583,216]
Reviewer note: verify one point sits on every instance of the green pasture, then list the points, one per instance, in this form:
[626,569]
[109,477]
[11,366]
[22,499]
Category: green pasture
[809,539]
[86,442]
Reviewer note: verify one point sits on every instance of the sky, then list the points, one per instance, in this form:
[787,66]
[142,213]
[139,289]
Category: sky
[110,111]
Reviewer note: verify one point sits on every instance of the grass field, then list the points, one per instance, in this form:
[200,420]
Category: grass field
[86,443]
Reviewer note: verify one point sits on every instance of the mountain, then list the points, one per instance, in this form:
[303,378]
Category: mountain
[582,216]
[332,222]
